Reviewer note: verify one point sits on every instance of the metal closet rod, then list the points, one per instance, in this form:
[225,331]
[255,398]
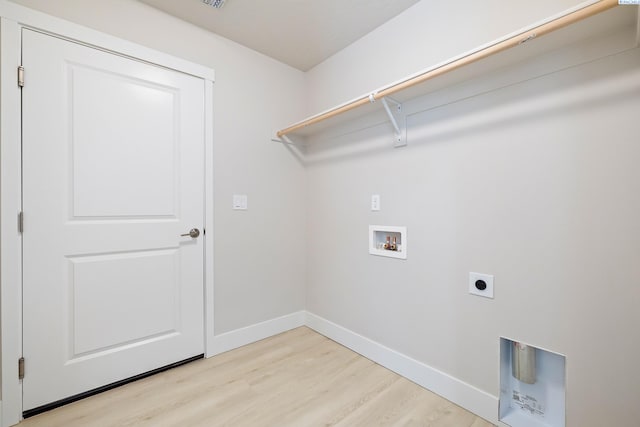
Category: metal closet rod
[541,30]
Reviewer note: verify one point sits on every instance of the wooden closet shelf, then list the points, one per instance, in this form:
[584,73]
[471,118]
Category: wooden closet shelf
[410,87]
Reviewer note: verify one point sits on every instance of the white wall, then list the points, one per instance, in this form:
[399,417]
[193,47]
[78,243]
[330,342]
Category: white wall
[424,35]
[536,183]
[545,198]
[259,254]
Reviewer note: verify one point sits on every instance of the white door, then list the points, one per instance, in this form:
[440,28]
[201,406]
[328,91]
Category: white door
[113,174]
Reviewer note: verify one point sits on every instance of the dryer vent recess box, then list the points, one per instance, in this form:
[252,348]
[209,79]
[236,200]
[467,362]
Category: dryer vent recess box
[532,386]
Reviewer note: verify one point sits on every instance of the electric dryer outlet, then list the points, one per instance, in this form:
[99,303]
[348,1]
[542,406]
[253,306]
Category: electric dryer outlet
[481,284]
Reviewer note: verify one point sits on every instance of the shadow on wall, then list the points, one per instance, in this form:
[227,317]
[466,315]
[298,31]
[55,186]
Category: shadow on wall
[472,111]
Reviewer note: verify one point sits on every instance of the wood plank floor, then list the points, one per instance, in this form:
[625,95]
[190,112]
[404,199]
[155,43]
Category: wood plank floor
[298,378]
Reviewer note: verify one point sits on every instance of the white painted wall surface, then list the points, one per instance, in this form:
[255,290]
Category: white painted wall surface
[425,34]
[259,253]
[536,183]
[544,198]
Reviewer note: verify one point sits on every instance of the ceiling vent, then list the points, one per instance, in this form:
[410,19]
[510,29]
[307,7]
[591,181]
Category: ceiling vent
[214,3]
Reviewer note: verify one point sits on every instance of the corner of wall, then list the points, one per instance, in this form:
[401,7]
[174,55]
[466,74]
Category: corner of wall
[250,334]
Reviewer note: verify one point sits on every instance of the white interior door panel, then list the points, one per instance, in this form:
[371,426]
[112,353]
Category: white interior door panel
[113,174]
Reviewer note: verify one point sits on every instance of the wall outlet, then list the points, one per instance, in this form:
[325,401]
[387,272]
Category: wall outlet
[481,284]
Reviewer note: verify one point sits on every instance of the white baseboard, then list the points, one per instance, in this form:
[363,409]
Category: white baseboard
[465,395]
[250,334]
[469,397]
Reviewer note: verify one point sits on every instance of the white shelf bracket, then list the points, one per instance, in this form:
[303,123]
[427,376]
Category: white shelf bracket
[398,120]
[284,139]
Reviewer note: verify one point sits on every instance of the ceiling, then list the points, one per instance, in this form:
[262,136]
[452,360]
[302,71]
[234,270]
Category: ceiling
[301,33]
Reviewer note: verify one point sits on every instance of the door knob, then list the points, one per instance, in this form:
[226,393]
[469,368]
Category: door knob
[194,232]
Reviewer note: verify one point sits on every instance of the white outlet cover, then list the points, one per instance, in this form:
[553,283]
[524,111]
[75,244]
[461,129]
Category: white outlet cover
[487,278]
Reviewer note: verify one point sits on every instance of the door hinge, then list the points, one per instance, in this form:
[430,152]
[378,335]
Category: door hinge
[21,76]
[20,222]
[21,368]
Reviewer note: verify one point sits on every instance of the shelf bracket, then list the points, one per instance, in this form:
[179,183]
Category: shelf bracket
[284,139]
[398,120]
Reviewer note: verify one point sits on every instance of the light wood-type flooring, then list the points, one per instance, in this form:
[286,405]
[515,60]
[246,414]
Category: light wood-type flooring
[298,379]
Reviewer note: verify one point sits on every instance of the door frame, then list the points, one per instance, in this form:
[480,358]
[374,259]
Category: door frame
[13,18]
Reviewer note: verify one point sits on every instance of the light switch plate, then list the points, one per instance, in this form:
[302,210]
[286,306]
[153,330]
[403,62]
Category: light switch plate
[240,202]
[375,202]
[487,279]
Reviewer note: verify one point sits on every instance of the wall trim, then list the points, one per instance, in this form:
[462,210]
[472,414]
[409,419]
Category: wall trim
[453,389]
[259,331]
[40,21]
[463,394]
[209,236]
[10,238]
[459,392]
